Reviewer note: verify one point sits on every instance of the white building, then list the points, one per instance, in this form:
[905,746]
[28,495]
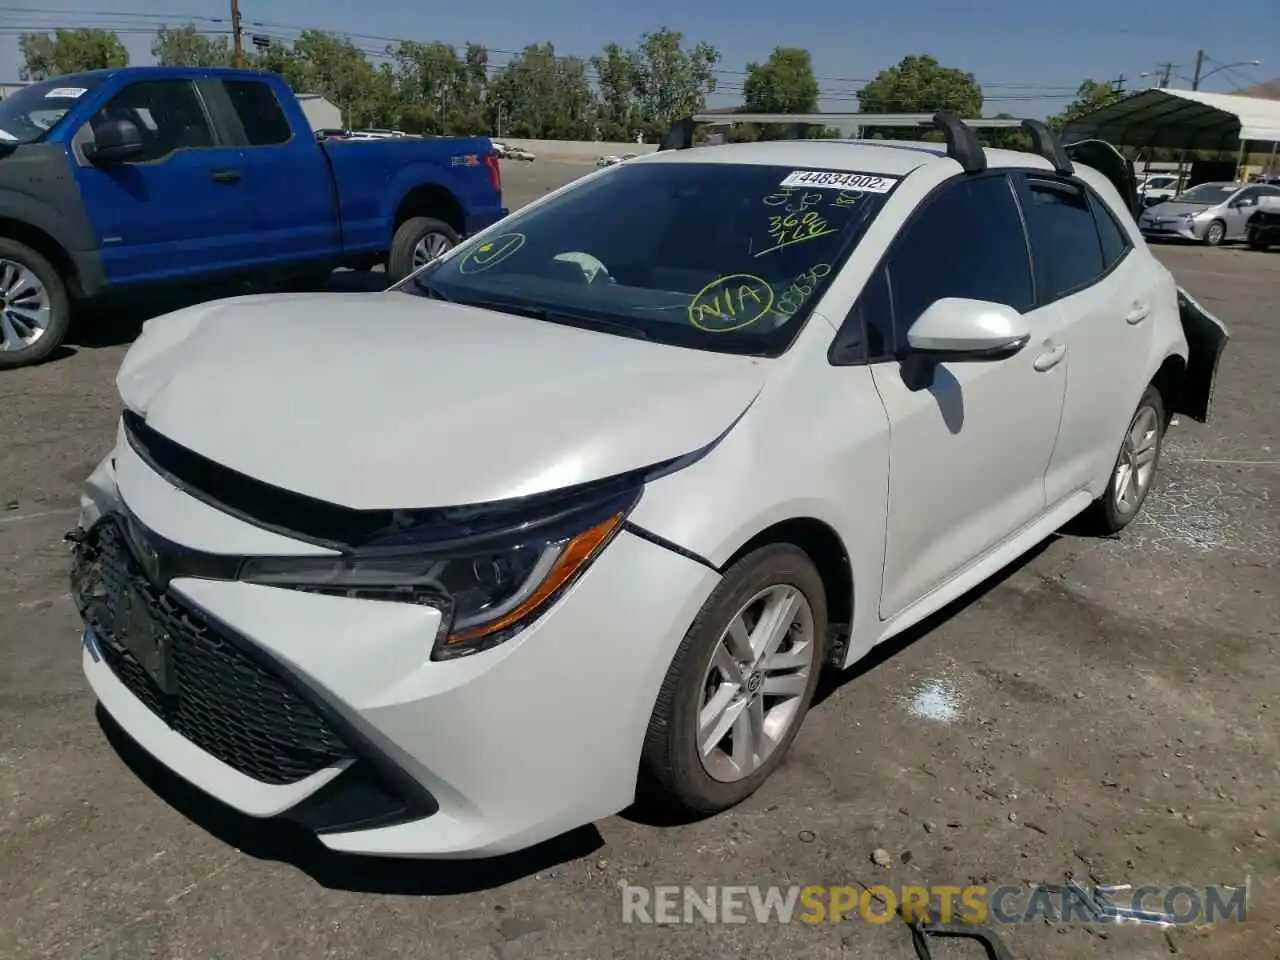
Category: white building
[321,113]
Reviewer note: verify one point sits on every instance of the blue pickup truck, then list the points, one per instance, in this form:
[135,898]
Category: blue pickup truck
[115,180]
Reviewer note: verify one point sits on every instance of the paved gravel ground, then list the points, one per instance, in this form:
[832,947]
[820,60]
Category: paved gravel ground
[1107,708]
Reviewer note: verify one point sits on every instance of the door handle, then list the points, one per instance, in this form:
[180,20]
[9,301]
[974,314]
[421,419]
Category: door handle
[1050,357]
[1137,314]
[226,176]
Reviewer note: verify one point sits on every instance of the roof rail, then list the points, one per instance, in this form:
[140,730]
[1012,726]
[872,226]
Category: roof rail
[962,143]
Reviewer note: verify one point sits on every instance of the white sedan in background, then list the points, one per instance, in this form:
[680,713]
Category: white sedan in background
[591,500]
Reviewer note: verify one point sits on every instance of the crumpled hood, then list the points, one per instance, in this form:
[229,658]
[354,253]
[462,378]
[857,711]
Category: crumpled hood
[394,401]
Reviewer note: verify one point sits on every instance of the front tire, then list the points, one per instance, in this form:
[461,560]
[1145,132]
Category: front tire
[739,686]
[1216,233]
[35,311]
[418,241]
[1135,468]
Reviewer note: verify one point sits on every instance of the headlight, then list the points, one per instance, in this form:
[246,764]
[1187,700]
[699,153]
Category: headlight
[487,587]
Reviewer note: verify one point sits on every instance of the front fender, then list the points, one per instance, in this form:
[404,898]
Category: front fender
[1207,337]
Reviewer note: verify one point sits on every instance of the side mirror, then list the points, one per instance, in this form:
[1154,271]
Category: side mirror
[1246,202]
[956,329]
[115,141]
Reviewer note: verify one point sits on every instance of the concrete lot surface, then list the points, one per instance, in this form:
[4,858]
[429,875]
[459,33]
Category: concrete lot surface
[1106,708]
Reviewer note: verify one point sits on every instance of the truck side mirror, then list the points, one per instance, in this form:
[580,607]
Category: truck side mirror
[114,141]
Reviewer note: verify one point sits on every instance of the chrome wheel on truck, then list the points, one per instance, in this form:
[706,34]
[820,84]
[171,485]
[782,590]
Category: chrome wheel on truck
[33,306]
[417,242]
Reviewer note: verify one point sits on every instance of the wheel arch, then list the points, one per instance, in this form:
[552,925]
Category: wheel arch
[48,247]
[825,548]
[431,200]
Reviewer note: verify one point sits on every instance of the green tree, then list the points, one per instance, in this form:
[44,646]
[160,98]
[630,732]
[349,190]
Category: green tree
[1090,95]
[618,112]
[920,84]
[673,82]
[783,84]
[429,84]
[541,95]
[333,66]
[185,46]
[70,51]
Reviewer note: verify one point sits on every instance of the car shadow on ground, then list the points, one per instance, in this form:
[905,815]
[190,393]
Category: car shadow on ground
[647,812]
[289,843]
[112,323]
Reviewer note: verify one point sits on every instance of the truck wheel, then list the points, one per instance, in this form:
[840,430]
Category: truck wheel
[1256,242]
[418,241]
[34,308]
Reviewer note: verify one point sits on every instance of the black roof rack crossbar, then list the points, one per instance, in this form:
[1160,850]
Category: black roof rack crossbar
[962,142]
[1046,143]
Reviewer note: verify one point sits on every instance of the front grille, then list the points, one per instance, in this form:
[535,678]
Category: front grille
[222,700]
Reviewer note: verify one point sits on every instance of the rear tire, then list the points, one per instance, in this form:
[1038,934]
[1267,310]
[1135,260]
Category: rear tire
[35,311]
[1134,471]
[770,692]
[414,238]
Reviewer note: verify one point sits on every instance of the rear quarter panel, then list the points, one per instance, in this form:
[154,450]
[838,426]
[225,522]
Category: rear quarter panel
[374,176]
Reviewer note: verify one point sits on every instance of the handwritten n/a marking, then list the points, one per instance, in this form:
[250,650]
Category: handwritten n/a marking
[738,299]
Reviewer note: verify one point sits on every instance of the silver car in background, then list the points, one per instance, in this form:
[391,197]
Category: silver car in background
[1209,213]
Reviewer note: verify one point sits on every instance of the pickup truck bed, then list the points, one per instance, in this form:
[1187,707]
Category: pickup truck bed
[116,180]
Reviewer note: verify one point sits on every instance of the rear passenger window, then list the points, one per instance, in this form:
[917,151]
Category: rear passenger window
[1115,242]
[967,242]
[1064,237]
[259,111]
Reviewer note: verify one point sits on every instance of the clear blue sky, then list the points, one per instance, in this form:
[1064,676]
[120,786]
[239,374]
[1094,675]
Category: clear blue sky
[1029,55]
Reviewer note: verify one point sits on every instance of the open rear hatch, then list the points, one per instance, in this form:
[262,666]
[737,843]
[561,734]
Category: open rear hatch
[1206,335]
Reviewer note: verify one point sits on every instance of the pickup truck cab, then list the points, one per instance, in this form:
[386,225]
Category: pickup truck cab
[116,180]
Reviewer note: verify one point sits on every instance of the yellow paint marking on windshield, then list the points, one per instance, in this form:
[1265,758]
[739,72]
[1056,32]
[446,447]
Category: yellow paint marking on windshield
[801,289]
[786,198]
[732,302]
[491,253]
[785,231]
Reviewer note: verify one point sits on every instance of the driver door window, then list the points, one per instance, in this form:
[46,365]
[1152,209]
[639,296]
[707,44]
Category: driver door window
[167,113]
[968,449]
[179,208]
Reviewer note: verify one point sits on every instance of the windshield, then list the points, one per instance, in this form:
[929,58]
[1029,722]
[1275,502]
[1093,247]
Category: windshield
[715,256]
[1209,193]
[29,114]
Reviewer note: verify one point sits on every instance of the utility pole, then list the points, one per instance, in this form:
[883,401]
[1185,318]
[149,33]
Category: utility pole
[1195,79]
[236,32]
[1166,70]
[1118,83]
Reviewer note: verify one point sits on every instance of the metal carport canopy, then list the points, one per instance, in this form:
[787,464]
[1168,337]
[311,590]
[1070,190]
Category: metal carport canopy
[1181,119]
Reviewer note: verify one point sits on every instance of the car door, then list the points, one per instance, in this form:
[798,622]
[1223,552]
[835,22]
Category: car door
[1086,264]
[1237,211]
[968,452]
[178,209]
[285,174]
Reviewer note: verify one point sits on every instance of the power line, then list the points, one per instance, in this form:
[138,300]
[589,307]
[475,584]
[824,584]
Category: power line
[1041,91]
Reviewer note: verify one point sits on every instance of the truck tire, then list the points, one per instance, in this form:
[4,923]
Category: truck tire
[417,241]
[35,310]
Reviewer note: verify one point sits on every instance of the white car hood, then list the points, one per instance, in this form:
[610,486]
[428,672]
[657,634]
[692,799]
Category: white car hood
[394,401]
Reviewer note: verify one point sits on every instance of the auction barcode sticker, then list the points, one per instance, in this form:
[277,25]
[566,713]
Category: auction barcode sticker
[832,180]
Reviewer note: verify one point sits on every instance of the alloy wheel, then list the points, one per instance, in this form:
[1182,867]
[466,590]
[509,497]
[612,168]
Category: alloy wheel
[754,687]
[428,248]
[1136,466]
[25,309]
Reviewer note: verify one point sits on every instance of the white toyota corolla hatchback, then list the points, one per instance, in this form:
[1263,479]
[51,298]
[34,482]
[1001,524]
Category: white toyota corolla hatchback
[585,506]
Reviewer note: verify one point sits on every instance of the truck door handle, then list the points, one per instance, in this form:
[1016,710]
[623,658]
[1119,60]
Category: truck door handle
[1137,314]
[1050,357]
[226,176]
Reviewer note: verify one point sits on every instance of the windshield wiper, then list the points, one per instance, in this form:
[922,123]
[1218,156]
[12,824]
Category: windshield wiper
[563,318]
